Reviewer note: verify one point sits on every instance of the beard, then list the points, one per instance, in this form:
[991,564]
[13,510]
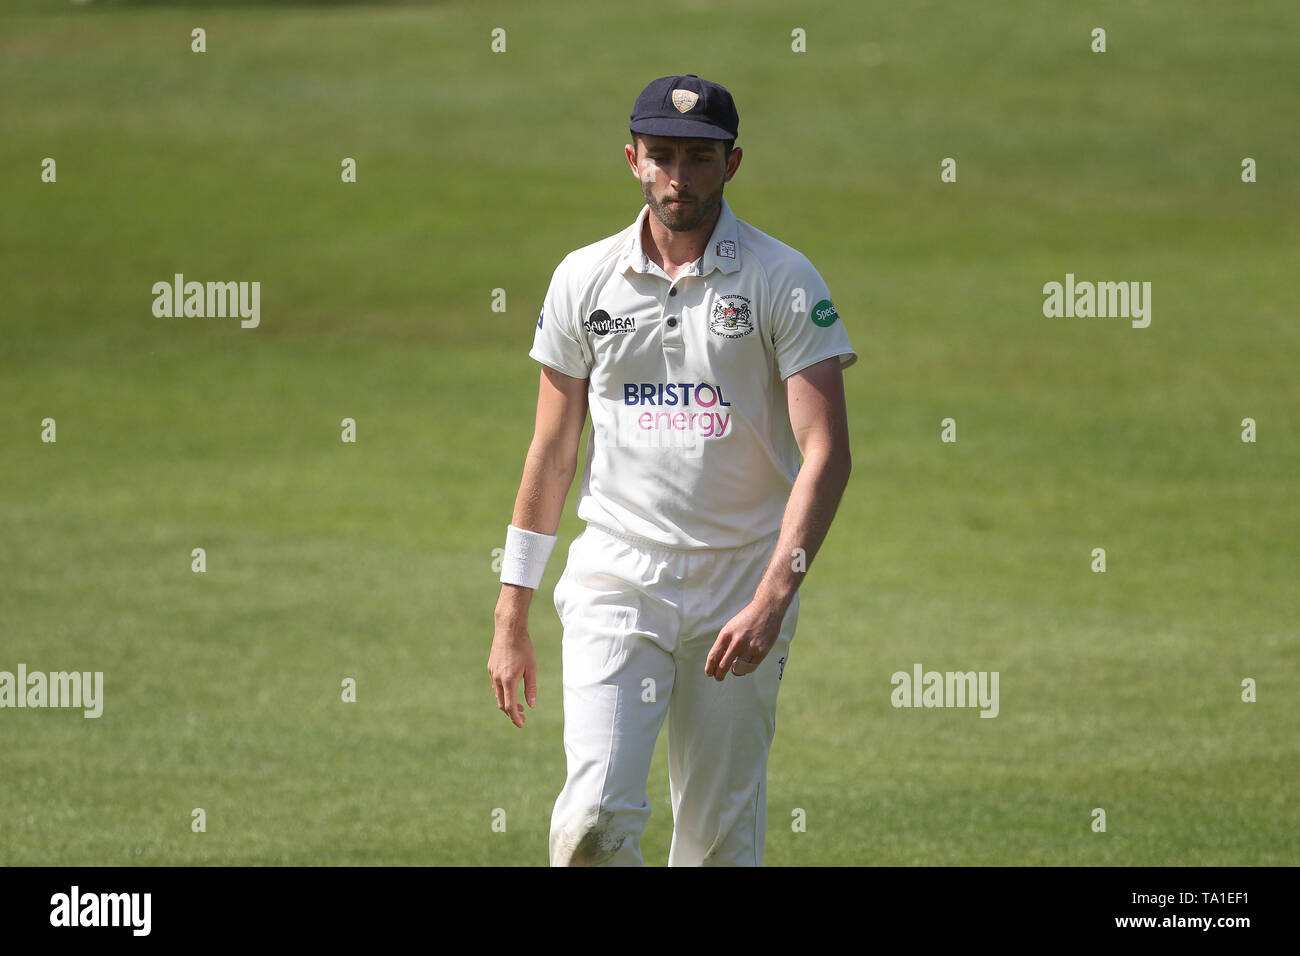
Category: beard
[689,217]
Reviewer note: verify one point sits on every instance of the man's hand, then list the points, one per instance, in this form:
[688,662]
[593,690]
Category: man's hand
[744,642]
[512,658]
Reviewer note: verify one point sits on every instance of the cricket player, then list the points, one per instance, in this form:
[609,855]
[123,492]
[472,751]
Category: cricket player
[709,357]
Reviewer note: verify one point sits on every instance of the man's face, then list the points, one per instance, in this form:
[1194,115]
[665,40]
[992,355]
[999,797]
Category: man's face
[682,179]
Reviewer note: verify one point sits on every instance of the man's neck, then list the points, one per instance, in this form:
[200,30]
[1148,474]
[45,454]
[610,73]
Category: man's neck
[674,251]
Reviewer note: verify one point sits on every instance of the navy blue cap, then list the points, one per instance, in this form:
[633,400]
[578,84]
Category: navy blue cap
[685,106]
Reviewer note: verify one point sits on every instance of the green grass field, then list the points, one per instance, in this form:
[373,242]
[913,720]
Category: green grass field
[479,171]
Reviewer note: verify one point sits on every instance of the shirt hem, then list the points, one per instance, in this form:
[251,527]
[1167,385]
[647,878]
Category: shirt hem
[823,358]
[559,368]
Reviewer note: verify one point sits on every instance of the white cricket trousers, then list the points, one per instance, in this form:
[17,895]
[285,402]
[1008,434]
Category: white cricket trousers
[639,620]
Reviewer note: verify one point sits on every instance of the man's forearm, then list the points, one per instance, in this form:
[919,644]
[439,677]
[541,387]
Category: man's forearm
[808,514]
[538,506]
[542,490]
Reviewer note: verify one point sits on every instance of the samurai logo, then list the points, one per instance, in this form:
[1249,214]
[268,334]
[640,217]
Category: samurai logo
[600,323]
[731,317]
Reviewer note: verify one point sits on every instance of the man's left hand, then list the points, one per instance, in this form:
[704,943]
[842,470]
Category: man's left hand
[744,642]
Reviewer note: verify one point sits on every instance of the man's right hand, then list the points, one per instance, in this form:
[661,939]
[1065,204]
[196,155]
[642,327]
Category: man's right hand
[512,659]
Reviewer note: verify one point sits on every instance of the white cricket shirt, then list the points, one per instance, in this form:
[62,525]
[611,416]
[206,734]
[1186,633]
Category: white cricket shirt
[691,445]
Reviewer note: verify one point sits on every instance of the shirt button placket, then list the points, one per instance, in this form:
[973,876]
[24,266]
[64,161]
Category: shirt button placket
[672,324]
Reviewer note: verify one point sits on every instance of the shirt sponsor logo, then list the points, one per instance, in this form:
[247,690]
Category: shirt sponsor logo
[726,249]
[824,314]
[673,393]
[731,317]
[600,323]
[696,425]
[684,430]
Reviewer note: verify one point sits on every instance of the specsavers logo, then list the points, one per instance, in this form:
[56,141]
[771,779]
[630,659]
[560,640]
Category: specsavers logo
[824,314]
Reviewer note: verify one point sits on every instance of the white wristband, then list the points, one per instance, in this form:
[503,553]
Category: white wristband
[526,555]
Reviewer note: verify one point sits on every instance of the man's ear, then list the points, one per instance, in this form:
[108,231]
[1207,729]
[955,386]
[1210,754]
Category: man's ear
[733,163]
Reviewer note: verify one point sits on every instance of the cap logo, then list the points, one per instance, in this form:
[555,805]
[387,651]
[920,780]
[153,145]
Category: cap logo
[684,100]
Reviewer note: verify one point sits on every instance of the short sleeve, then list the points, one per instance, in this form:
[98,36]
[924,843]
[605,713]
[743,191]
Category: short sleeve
[806,329]
[557,340]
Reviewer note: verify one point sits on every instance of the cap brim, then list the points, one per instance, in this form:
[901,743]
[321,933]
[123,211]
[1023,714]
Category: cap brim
[682,128]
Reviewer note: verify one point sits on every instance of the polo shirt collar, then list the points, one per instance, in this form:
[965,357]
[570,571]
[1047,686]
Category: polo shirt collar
[721,253]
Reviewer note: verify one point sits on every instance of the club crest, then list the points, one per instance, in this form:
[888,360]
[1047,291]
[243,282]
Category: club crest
[731,317]
[684,100]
